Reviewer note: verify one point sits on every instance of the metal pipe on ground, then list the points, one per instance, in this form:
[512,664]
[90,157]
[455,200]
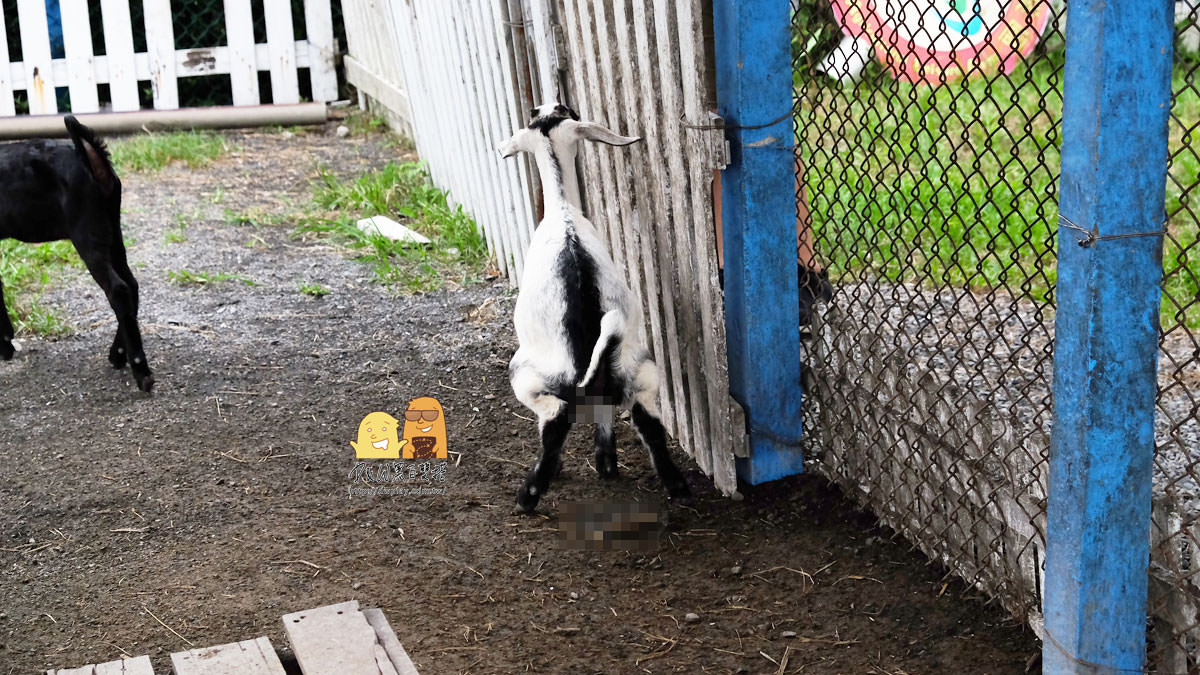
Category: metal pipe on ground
[217,117]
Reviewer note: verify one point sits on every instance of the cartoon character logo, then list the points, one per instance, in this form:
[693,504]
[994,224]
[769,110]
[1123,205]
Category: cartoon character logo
[377,437]
[425,429]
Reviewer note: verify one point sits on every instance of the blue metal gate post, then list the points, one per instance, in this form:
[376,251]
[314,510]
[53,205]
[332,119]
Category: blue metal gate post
[754,89]
[1114,155]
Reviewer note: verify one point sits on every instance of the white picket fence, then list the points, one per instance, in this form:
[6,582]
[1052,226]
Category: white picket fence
[121,68]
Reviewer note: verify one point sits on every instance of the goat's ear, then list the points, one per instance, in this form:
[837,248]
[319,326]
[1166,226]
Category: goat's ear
[514,144]
[596,132]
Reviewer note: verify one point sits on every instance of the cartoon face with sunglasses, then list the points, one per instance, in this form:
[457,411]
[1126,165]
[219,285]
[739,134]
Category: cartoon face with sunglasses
[425,429]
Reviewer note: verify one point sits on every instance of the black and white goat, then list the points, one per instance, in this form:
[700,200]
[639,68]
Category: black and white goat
[53,190]
[576,320]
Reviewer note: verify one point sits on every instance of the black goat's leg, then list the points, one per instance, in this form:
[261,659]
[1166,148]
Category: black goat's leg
[6,328]
[122,298]
[553,434]
[116,354]
[654,437]
[606,450]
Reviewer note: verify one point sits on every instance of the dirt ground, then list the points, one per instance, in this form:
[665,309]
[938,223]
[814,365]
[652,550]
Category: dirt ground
[134,524]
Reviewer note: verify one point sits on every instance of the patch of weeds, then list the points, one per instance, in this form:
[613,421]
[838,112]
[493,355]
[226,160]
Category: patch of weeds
[153,152]
[186,277]
[26,269]
[403,191]
[218,196]
[255,217]
[314,289]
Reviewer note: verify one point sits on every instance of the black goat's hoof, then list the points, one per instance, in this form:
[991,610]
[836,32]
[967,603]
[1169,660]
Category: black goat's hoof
[6,350]
[606,466]
[146,383]
[527,498]
[680,494]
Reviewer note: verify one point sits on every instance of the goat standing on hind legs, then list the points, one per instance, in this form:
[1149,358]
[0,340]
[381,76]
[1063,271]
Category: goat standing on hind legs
[51,190]
[576,320]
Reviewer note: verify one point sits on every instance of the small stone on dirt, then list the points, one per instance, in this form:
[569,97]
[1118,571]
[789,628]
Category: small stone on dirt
[788,634]
[735,570]
[691,617]
[343,131]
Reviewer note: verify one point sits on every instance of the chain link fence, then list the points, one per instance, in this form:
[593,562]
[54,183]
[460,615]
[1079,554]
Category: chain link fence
[928,139]
[197,24]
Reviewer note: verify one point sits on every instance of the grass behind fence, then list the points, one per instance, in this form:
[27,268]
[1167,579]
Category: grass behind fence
[403,191]
[957,185]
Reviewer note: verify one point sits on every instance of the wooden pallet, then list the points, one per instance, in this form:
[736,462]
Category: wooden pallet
[333,640]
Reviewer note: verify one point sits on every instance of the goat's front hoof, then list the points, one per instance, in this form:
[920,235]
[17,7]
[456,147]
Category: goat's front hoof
[146,383]
[528,497]
[6,350]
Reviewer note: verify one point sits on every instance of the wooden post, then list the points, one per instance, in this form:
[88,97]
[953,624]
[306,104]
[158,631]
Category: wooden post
[1114,155]
[754,89]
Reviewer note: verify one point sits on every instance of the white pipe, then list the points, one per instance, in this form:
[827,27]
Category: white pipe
[217,117]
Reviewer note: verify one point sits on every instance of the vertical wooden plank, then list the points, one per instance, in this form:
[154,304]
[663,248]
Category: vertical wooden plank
[160,46]
[475,96]
[118,47]
[243,66]
[599,56]
[81,66]
[724,435]
[518,71]
[285,83]
[663,246]
[687,296]
[7,105]
[318,20]
[495,93]
[35,54]
[754,85]
[638,263]
[1106,334]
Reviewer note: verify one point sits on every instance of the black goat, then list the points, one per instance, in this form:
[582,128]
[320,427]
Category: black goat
[53,190]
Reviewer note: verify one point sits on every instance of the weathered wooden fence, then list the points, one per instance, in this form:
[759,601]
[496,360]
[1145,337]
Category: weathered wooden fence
[461,76]
[34,75]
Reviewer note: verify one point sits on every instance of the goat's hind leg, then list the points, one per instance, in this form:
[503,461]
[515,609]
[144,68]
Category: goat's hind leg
[606,450]
[654,436]
[553,432]
[6,329]
[122,296]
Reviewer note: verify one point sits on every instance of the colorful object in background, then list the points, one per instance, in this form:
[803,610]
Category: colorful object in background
[935,41]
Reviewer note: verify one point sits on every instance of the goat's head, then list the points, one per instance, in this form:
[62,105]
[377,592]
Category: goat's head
[557,127]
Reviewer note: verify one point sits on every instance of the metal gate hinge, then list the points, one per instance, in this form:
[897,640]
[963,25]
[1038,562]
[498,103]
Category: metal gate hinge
[720,144]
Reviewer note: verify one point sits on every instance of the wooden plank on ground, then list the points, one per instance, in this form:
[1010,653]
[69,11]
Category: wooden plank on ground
[135,666]
[249,657]
[336,640]
[390,643]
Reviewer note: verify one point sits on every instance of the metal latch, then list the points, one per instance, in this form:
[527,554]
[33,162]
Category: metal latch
[720,144]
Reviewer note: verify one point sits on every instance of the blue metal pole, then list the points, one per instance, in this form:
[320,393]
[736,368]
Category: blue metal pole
[754,87]
[1114,155]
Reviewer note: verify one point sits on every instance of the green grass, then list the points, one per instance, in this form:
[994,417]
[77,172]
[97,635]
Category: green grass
[458,253]
[957,184]
[186,277]
[25,269]
[152,152]
[314,289]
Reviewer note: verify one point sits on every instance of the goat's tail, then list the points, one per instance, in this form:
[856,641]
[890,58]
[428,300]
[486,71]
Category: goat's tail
[93,154]
[612,328]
